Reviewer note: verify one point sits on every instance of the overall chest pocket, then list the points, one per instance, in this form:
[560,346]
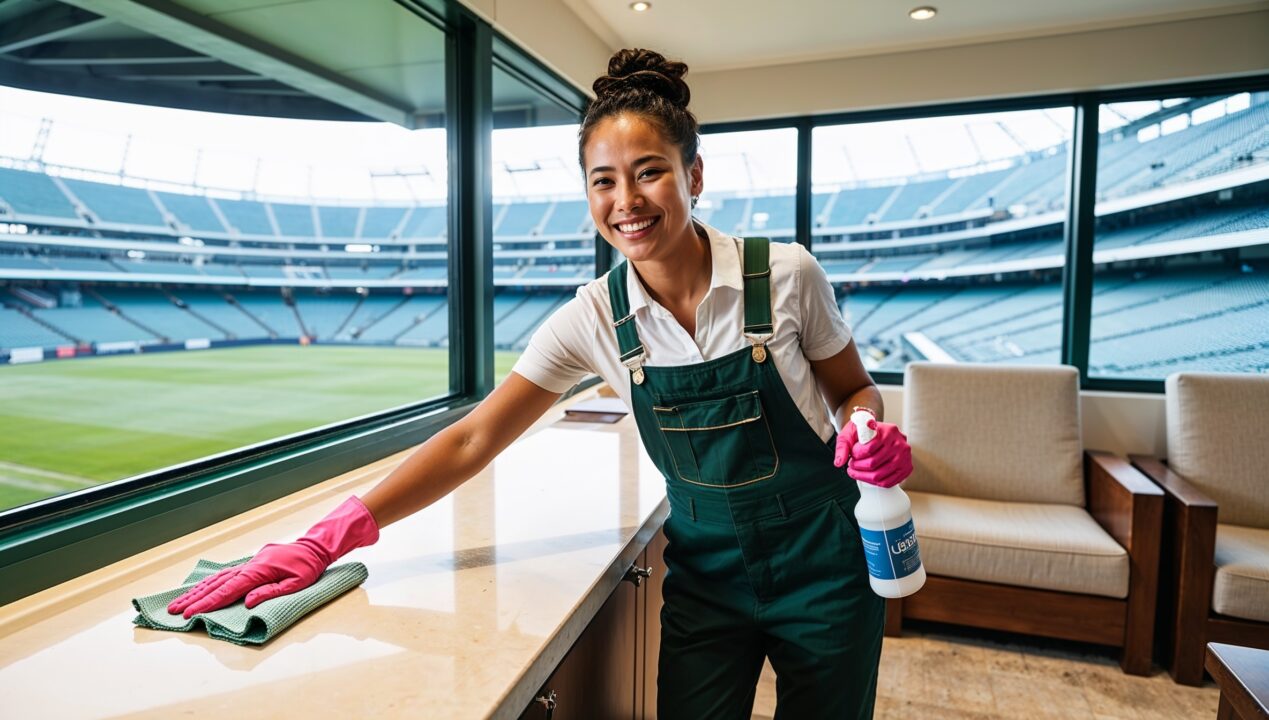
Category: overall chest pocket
[721,442]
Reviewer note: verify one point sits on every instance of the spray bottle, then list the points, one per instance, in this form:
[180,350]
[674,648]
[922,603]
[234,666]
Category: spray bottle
[884,516]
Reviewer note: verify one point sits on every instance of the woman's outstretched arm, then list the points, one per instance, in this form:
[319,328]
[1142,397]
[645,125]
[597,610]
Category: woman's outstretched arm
[441,464]
[458,452]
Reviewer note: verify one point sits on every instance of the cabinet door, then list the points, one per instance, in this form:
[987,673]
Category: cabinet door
[596,679]
[651,626]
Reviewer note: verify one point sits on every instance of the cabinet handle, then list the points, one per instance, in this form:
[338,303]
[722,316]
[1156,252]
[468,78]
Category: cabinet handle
[548,702]
[636,574]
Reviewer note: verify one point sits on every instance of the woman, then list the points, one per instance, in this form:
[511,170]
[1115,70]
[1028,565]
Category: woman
[730,354]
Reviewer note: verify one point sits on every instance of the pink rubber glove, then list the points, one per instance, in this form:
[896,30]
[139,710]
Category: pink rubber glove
[283,569]
[884,461]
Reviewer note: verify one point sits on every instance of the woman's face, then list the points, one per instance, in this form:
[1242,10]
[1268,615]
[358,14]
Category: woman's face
[639,192]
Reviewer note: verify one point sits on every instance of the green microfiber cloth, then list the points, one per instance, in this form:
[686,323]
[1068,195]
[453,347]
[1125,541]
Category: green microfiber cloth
[236,623]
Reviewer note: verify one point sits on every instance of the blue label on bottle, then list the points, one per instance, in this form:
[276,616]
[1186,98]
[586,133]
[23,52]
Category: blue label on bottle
[893,553]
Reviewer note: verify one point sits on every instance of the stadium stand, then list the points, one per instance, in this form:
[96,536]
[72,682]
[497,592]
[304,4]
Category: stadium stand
[116,203]
[18,330]
[991,243]
[404,316]
[324,315]
[339,222]
[30,193]
[568,217]
[426,222]
[294,220]
[519,218]
[153,310]
[248,218]
[192,211]
[271,310]
[381,222]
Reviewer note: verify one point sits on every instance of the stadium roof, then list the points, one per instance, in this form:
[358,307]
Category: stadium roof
[311,59]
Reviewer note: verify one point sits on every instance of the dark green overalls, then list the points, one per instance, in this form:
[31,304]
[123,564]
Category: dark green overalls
[764,557]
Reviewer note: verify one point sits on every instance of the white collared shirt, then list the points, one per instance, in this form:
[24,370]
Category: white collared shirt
[579,337]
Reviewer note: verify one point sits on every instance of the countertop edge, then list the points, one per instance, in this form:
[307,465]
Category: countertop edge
[521,693]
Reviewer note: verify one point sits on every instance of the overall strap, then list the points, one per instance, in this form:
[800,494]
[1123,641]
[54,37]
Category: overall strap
[627,335]
[757,278]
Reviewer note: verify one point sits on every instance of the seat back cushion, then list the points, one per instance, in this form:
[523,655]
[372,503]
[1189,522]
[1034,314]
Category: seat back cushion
[995,432]
[1217,440]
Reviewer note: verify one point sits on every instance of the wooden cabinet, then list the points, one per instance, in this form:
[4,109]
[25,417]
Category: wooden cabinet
[610,672]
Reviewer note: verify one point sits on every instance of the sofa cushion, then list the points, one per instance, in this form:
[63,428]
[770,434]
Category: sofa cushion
[1242,572]
[995,433]
[1216,440]
[1049,546]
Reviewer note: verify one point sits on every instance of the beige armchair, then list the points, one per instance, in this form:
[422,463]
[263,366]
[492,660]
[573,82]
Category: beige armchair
[1020,528]
[1214,581]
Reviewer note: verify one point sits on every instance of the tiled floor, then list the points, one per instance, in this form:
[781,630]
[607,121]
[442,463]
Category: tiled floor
[955,674]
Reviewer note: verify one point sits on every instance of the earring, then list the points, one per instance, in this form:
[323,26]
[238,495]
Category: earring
[694,199]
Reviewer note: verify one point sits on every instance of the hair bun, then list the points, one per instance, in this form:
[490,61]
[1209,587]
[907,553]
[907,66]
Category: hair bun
[638,68]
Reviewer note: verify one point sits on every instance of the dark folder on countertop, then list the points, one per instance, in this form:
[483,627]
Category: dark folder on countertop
[600,409]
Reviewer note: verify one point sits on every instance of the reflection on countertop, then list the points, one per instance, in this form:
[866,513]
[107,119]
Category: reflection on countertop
[461,599]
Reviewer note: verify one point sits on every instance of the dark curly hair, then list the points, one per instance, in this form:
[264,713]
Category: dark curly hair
[644,83]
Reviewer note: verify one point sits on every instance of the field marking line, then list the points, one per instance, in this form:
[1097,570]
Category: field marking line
[27,470]
[32,485]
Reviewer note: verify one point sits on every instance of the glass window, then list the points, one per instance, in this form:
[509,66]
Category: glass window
[544,240]
[180,284]
[750,183]
[943,236]
[1181,251]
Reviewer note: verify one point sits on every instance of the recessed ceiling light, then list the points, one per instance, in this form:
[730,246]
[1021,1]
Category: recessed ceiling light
[641,6]
[924,12]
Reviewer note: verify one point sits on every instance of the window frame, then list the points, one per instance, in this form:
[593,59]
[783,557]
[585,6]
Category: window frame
[55,539]
[1078,229]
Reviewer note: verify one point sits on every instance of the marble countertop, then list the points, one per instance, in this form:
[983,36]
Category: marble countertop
[469,606]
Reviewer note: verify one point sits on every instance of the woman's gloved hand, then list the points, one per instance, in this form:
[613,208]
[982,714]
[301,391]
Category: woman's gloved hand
[884,461]
[281,569]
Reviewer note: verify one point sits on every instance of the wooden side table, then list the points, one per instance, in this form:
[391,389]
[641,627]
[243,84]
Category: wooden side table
[1242,674]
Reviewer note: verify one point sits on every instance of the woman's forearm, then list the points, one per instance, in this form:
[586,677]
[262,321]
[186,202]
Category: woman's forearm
[445,461]
[455,454]
[867,396]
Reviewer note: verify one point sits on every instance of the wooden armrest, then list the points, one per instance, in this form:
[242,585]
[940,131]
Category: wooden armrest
[1123,501]
[1173,484]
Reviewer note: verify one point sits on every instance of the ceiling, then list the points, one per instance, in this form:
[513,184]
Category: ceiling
[727,34]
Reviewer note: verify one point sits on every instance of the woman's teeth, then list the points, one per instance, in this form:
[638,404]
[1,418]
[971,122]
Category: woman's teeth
[636,227]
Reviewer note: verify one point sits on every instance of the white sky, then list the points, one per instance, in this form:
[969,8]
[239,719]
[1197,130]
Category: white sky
[357,162]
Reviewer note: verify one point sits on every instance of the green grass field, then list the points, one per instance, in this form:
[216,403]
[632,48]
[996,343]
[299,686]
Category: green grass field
[69,424]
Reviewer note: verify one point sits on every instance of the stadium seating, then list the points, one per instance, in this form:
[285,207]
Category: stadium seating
[1144,323]
[370,309]
[212,307]
[19,331]
[912,197]
[432,326]
[192,211]
[780,215]
[153,310]
[294,220]
[92,322]
[426,222]
[339,222]
[324,315]
[567,218]
[248,218]
[117,204]
[31,193]
[270,310]
[520,218]
[403,316]
[380,222]
[526,315]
